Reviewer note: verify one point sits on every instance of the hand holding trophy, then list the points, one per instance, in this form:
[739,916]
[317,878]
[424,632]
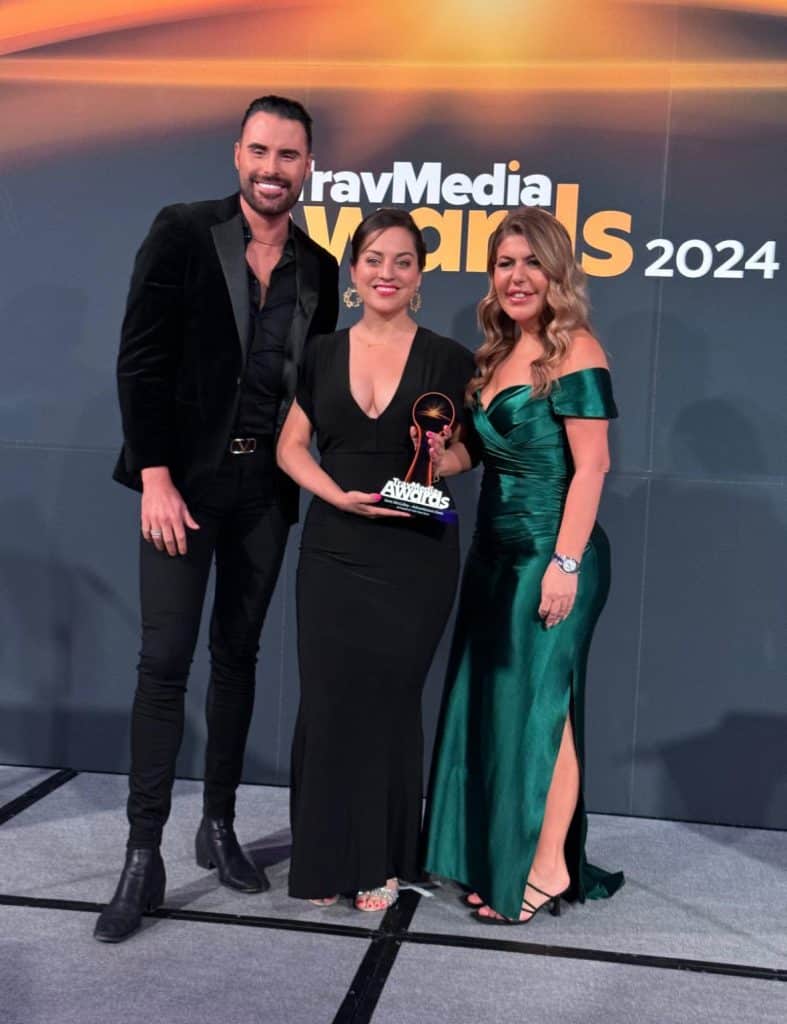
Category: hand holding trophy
[416,492]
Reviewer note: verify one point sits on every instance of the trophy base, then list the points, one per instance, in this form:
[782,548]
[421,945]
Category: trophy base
[418,499]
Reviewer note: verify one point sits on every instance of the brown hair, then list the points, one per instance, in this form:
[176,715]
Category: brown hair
[381,220]
[565,310]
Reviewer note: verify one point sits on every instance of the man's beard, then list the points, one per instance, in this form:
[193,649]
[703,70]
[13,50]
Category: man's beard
[273,206]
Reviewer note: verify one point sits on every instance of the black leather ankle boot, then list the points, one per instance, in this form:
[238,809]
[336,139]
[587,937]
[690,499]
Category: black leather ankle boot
[217,847]
[141,887]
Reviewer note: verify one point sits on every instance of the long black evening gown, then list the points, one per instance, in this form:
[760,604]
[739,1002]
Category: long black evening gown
[373,597]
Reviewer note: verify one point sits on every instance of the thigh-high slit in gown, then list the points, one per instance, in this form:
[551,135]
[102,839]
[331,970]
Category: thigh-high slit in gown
[373,597]
[512,682]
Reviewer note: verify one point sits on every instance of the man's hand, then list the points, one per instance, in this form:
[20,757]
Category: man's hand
[164,512]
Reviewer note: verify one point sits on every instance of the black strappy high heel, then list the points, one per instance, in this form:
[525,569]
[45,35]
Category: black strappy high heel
[552,901]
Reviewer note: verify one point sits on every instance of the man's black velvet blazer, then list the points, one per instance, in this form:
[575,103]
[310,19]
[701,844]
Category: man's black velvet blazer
[184,337]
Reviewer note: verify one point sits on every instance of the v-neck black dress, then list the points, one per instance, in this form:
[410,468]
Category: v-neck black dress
[373,597]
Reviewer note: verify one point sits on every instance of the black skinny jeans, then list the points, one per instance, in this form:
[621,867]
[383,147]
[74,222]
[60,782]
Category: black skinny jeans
[242,524]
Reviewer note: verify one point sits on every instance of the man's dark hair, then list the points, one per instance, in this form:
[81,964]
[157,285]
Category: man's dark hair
[280,106]
[381,220]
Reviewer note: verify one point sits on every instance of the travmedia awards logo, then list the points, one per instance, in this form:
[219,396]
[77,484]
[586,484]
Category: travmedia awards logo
[463,210]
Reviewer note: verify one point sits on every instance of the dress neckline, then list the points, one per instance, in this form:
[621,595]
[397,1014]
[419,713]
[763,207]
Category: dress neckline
[395,395]
[497,394]
[522,387]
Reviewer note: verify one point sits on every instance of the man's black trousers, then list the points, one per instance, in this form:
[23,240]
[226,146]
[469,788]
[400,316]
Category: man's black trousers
[243,526]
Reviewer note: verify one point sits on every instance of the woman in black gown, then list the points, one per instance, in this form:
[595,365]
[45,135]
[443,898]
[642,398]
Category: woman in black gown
[374,586]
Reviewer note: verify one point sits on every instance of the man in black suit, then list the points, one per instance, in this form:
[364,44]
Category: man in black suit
[222,299]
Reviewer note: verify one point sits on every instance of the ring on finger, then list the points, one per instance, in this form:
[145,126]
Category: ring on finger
[156,534]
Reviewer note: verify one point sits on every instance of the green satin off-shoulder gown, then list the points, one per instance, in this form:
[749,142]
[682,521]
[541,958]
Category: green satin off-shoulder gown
[511,681]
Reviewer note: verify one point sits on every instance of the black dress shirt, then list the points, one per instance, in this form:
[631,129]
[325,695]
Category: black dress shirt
[269,328]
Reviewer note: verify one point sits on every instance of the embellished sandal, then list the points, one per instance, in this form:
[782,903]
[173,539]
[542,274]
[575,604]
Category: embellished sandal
[327,901]
[552,901]
[387,897]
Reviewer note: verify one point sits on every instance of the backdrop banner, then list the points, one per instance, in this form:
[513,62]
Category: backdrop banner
[654,131]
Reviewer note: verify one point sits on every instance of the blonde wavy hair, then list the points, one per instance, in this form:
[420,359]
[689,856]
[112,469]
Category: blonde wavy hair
[565,310]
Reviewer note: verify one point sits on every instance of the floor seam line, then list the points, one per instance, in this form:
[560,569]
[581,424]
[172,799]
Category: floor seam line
[31,796]
[194,916]
[370,979]
[396,936]
[651,960]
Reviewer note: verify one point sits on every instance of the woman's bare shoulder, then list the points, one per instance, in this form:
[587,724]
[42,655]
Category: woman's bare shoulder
[585,353]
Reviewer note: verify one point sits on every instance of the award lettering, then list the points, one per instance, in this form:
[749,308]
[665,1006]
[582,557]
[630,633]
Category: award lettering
[415,492]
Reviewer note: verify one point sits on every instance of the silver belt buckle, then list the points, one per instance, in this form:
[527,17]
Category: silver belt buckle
[243,445]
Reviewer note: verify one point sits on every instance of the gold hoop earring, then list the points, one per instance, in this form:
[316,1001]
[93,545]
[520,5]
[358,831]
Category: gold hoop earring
[416,301]
[351,298]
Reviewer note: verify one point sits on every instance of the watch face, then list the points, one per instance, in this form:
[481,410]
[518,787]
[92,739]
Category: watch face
[568,564]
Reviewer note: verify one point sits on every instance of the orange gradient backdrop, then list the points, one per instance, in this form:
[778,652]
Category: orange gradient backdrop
[99,70]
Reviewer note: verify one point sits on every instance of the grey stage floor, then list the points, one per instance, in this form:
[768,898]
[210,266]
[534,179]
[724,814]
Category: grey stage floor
[699,932]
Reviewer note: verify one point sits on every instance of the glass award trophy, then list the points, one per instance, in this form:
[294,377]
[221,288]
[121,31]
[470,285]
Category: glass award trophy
[415,492]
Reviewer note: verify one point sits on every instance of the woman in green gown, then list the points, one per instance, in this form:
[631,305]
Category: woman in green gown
[506,815]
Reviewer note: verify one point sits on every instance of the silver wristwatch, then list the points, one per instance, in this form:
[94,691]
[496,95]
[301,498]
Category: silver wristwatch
[567,563]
